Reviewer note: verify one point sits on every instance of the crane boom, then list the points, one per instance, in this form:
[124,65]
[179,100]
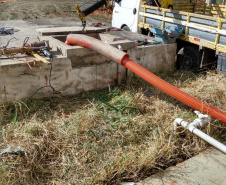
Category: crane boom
[83,13]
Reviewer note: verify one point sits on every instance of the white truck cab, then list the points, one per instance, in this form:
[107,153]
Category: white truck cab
[126,15]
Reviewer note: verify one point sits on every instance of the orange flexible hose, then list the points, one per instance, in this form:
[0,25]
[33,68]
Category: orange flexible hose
[123,59]
[173,91]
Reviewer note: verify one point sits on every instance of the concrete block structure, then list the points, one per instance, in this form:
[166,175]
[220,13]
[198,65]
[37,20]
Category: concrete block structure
[76,69]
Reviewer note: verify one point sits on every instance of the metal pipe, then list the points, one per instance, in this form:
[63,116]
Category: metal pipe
[94,7]
[123,59]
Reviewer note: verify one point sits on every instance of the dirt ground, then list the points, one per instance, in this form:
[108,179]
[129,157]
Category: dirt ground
[33,9]
[95,138]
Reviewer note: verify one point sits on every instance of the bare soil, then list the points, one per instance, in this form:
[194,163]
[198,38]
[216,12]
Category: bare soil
[33,9]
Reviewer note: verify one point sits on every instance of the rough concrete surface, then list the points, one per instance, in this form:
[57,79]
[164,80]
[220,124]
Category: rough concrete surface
[67,30]
[207,168]
[75,69]
[155,58]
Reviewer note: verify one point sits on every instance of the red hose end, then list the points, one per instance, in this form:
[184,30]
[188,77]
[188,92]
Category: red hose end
[125,59]
[66,42]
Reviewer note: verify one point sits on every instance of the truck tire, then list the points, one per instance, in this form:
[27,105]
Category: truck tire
[144,31]
[170,7]
[188,58]
[126,28]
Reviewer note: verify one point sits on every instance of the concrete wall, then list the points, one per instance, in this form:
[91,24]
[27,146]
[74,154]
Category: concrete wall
[78,70]
[18,82]
[155,58]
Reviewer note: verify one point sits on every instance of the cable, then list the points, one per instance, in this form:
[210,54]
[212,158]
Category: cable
[9,42]
[3,47]
[50,85]
[50,76]
[27,61]
[11,56]
[25,41]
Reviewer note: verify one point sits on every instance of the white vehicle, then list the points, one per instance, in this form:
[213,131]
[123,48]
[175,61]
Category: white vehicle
[199,30]
[126,15]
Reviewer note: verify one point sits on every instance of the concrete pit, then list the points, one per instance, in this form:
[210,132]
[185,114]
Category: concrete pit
[76,69]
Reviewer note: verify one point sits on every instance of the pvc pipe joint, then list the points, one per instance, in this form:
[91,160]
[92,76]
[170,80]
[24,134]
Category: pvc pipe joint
[193,128]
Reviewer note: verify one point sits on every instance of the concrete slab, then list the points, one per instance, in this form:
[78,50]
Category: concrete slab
[130,35]
[207,168]
[57,42]
[68,30]
[155,57]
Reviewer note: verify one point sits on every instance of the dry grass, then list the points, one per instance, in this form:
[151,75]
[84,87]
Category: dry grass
[105,137]
[103,12]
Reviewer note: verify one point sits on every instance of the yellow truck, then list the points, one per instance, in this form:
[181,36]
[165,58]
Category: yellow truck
[202,41]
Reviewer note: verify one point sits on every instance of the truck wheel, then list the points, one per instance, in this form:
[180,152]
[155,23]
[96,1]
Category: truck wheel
[150,34]
[126,28]
[144,31]
[170,7]
[188,58]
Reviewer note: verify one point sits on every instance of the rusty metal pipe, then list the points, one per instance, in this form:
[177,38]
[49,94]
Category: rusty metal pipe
[123,59]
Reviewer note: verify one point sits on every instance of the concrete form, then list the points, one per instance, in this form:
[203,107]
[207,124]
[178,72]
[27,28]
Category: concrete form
[207,168]
[75,69]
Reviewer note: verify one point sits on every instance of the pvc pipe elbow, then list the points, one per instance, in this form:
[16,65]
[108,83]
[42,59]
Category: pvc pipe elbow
[181,122]
[197,123]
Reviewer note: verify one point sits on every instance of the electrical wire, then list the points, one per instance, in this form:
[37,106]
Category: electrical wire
[25,41]
[10,40]
[27,61]
[50,85]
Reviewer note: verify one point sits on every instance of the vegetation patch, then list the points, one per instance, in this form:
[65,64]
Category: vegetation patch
[105,137]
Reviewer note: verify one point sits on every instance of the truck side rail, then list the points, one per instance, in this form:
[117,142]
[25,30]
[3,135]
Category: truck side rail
[200,7]
[210,9]
[203,30]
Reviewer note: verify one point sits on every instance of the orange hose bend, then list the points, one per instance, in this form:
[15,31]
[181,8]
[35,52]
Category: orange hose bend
[123,59]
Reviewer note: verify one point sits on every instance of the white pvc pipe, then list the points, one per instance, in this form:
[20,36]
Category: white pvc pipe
[192,127]
[210,140]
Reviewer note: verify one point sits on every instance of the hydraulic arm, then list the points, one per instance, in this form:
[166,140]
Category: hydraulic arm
[83,13]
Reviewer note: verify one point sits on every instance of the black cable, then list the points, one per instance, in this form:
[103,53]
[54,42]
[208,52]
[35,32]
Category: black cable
[9,42]
[3,47]
[50,72]
[50,76]
[25,41]
[50,85]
